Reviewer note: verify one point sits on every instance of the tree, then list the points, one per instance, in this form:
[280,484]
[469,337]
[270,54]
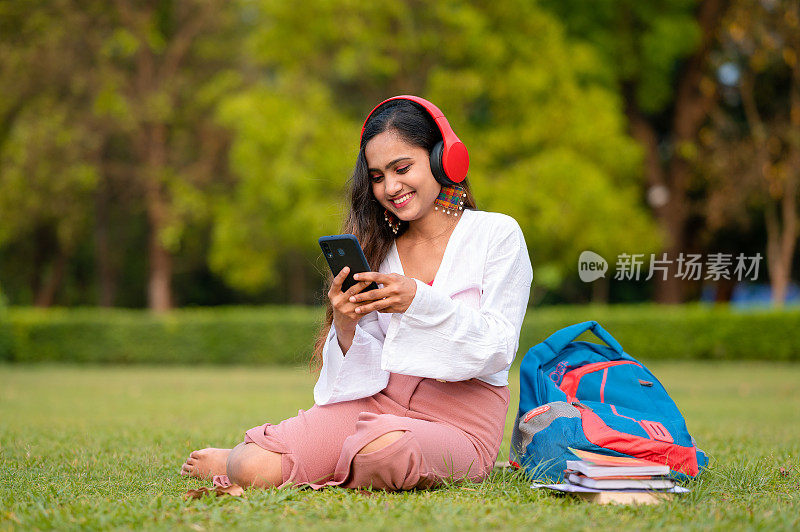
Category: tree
[47,144]
[659,53]
[167,65]
[139,82]
[546,139]
[289,158]
[753,146]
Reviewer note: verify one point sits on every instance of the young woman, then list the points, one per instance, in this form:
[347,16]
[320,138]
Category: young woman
[413,385]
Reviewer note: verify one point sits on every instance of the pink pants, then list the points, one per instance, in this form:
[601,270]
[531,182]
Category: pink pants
[452,430]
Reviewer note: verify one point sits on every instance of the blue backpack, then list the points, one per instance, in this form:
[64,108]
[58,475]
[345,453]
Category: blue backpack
[596,398]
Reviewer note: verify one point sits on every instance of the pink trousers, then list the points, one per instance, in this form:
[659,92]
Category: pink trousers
[452,431]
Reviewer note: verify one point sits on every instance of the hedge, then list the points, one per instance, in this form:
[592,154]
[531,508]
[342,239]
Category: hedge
[277,335]
[285,335]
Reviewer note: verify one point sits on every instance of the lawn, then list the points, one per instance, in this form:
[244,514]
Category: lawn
[100,447]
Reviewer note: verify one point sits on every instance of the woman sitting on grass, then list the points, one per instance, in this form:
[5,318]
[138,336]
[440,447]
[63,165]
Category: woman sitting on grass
[413,386]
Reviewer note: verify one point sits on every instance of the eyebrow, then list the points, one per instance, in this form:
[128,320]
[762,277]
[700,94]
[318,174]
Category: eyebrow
[392,163]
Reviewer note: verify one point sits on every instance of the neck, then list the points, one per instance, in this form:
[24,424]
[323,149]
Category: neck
[431,226]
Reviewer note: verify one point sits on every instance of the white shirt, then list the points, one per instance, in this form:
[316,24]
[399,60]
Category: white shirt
[466,325]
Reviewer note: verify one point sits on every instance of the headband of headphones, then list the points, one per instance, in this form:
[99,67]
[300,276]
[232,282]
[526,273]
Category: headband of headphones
[449,158]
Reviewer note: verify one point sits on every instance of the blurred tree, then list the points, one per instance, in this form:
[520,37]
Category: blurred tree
[47,188]
[48,145]
[150,118]
[546,138]
[125,93]
[752,147]
[166,65]
[659,52]
[289,148]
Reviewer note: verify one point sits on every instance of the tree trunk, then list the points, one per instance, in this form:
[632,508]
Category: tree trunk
[45,297]
[782,229]
[782,240]
[671,223]
[159,285]
[600,290]
[151,144]
[725,288]
[298,280]
[105,270]
[778,276]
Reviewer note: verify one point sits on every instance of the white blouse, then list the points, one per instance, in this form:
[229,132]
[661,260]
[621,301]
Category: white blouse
[466,325]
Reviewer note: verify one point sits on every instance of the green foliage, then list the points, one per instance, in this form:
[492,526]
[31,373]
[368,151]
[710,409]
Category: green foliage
[640,42]
[290,157]
[100,448]
[657,332]
[278,335]
[285,335]
[546,135]
[45,174]
[6,339]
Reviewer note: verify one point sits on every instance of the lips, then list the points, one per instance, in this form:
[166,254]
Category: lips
[402,200]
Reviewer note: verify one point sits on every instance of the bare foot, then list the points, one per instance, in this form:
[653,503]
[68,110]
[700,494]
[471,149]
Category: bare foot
[206,463]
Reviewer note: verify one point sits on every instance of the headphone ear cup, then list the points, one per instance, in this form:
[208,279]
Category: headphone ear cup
[437,168]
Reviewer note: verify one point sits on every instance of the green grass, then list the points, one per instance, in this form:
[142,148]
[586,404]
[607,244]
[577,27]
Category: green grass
[100,447]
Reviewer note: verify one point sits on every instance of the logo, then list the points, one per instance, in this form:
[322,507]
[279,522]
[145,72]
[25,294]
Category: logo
[591,266]
[558,372]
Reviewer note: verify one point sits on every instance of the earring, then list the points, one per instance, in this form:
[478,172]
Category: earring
[451,198]
[392,220]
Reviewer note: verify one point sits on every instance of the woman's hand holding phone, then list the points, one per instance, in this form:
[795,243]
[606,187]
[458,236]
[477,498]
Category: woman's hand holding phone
[350,306]
[345,316]
[396,295]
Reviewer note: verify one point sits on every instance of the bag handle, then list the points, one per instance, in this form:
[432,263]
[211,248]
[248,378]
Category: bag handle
[559,340]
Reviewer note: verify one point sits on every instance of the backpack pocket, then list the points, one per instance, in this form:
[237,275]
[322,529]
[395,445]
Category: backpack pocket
[614,382]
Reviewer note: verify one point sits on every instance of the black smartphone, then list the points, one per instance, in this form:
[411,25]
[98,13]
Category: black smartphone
[344,250]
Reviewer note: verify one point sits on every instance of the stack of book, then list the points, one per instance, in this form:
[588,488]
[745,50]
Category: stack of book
[616,479]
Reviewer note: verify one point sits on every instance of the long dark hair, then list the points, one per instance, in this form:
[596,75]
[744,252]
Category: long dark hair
[365,218]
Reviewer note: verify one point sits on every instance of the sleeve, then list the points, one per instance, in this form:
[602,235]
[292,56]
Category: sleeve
[438,337]
[357,375]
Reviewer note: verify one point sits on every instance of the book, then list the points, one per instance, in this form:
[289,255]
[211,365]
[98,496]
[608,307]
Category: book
[608,460]
[599,471]
[613,461]
[620,483]
[604,479]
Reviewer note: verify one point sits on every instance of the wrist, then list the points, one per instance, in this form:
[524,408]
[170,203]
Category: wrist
[345,329]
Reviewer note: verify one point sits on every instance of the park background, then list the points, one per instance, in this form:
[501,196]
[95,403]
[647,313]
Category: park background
[166,168]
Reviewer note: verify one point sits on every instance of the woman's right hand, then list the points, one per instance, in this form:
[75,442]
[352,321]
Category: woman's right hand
[344,312]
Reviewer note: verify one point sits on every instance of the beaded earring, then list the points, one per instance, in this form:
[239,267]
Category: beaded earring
[451,198]
[392,220]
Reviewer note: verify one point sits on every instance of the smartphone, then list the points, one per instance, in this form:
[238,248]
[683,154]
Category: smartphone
[344,250]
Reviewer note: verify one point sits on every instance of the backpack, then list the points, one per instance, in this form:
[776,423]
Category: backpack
[596,398]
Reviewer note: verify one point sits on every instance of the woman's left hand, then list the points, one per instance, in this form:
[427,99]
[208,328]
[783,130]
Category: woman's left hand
[396,295]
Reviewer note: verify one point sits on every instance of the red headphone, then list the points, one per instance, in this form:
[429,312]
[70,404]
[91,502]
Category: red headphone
[449,158]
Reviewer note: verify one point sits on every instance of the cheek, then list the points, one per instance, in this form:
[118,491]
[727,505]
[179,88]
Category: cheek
[377,191]
[432,189]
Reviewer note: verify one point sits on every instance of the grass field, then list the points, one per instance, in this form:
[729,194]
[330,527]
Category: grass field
[100,447]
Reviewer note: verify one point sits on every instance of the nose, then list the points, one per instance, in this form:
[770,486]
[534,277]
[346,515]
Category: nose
[393,185]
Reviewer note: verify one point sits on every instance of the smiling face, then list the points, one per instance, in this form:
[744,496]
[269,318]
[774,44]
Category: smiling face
[401,171]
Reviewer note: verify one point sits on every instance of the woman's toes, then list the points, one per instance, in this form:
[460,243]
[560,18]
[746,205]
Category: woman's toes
[206,463]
